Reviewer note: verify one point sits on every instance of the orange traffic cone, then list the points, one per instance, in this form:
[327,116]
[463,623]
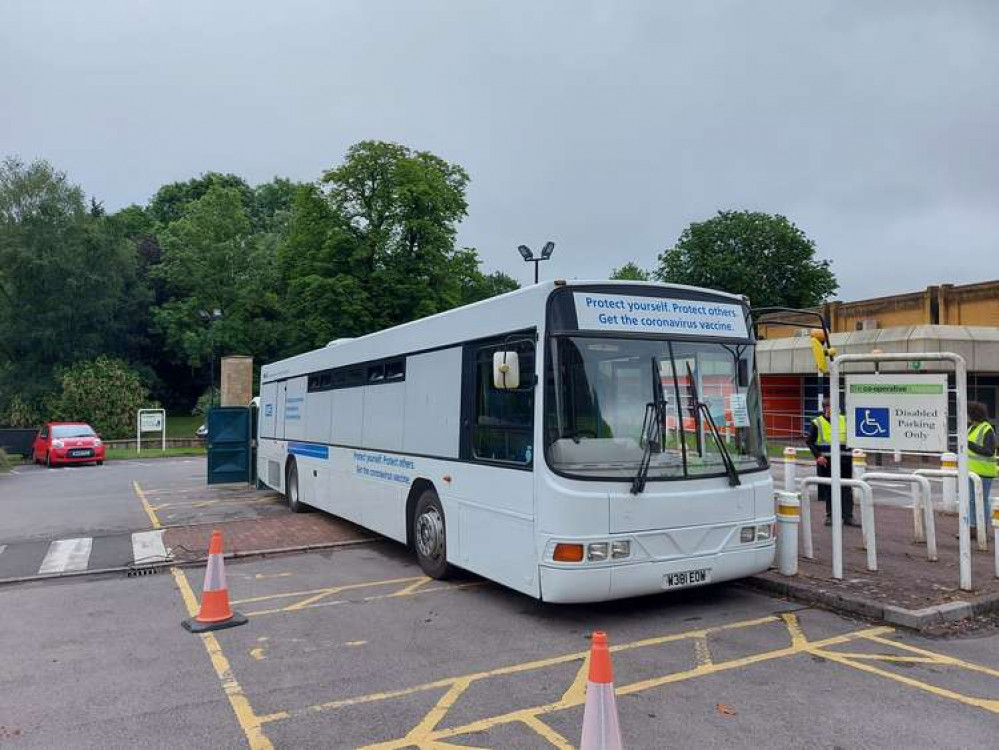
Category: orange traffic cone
[215,612]
[601,730]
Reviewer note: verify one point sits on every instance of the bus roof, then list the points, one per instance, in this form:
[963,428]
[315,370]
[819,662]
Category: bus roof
[520,309]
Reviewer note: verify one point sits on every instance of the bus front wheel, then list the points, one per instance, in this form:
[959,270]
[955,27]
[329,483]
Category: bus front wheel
[291,491]
[429,536]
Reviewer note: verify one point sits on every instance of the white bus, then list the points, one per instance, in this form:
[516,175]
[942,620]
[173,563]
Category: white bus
[575,441]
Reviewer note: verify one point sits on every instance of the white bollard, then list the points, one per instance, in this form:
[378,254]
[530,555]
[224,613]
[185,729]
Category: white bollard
[859,463]
[788,518]
[790,459]
[995,540]
[948,462]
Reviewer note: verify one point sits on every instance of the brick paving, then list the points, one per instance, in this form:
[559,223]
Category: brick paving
[905,578]
[257,534]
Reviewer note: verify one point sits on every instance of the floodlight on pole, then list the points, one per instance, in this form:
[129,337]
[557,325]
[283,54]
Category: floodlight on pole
[528,255]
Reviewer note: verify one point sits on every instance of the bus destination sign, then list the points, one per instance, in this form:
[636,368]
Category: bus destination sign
[634,314]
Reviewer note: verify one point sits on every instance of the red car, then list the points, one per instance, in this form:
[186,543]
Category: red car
[68,443]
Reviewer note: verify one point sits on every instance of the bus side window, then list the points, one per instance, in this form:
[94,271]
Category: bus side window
[503,421]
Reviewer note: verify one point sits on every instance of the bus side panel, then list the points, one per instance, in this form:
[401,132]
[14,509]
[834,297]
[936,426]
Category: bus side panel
[268,407]
[384,496]
[433,403]
[496,541]
[347,493]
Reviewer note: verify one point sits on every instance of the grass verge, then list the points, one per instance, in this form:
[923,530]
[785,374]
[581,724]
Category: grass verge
[118,454]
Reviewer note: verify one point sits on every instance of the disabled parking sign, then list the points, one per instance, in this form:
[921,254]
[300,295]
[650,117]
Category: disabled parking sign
[872,423]
[897,412]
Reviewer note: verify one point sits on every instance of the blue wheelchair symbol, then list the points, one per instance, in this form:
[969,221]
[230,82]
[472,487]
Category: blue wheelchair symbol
[872,423]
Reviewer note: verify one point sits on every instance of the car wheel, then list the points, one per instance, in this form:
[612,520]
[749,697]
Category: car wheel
[100,463]
[429,536]
[48,460]
[291,490]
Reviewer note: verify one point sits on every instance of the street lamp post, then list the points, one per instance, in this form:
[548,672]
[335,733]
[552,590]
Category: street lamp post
[210,317]
[528,255]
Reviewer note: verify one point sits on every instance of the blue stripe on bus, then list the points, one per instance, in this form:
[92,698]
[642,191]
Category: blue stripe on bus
[309,449]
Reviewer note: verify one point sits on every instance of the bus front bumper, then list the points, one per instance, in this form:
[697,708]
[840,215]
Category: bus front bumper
[595,584]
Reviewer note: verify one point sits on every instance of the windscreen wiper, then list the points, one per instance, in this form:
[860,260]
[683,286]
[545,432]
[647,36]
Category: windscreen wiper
[652,434]
[652,426]
[733,475]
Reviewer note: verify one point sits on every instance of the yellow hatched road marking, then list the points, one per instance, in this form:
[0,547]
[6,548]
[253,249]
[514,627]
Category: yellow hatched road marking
[146,506]
[938,658]
[249,721]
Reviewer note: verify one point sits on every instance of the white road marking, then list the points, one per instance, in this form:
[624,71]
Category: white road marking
[67,554]
[2,548]
[148,547]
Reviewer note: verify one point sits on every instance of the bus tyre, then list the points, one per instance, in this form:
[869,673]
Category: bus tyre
[291,489]
[429,536]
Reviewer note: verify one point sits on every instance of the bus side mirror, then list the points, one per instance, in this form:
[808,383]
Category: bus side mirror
[506,371]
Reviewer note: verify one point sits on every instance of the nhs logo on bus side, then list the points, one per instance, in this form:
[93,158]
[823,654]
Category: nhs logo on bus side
[633,314]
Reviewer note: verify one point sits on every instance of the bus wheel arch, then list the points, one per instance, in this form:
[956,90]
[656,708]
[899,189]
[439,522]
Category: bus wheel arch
[426,529]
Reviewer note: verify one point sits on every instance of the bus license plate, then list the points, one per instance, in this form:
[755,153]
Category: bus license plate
[686,578]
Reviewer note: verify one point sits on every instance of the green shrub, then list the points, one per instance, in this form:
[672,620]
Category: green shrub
[104,392]
[20,413]
[6,462]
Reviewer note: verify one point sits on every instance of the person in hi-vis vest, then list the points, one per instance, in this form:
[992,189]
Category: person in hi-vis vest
[819,441]
[981,456]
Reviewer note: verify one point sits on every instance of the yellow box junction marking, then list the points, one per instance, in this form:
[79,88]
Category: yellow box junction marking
[427,734]
[321,597]
[249,721]
[146,506]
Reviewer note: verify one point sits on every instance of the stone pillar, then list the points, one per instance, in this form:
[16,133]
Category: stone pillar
[237,380]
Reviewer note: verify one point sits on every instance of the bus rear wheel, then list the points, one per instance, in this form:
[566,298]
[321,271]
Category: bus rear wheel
[429,536]
[291,490]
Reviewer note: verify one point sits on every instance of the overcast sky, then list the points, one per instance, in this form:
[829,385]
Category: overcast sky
[605,126]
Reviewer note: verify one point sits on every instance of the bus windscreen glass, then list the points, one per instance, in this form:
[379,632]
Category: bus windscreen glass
[598,390]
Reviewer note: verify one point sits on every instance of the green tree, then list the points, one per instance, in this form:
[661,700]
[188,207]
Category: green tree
[222,282]
[630,271]
[68,281]
[402,206]
[104,392]
[762,256]
[170,201]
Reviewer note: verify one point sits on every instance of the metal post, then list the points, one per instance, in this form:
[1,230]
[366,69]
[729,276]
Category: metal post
[948,462]
[961,385]
[981,533]
[866,508]
[835,474]
[924,500]
[961,388]
[859,463]
[995,540]
[807,550]
[788,517]
[138,432]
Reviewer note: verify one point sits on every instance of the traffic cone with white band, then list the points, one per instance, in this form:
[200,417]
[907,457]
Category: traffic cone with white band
[215,612]
[601,730]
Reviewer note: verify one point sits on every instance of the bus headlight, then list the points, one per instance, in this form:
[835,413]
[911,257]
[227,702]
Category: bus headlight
[597,551]
[765,532]
[620,549]
[747,534]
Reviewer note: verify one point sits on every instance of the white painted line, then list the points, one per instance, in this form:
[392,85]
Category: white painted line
[67,554]
[148,547]
[2,548]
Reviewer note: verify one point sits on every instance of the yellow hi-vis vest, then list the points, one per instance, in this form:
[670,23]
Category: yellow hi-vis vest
[983,466]
[825,430]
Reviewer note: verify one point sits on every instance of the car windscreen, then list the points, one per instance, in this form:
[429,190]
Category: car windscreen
[72,431]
